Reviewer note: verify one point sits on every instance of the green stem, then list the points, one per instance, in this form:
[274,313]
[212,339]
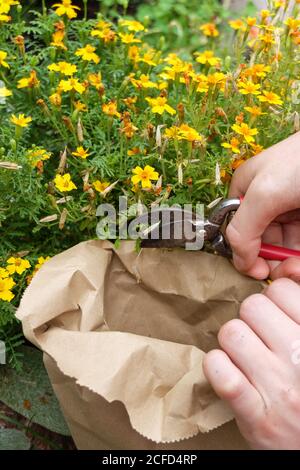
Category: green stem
[85,10]
[44,8]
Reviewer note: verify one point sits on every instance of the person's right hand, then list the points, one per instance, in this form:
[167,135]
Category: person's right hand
[270,211]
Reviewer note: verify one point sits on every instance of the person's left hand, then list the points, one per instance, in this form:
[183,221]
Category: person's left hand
[258,370]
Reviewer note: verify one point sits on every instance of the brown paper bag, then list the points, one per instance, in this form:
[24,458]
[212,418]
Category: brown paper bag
[124,335]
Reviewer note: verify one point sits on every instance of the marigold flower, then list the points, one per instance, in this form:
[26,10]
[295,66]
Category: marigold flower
[3,273]
[128,38]
[29,82]
[37,154]
[148,57]
[254,110]
[88,53]
[110,109]
[55,99]
[233,145]
[100,186]
[237,25]
[244,130]
[58,39]
[79,106]
[249,88]
[210,30]
[6,285]
[251,21]
[20,120]
[256,148]
[17,265]
[159,105]
[132,25]
[3,62]
[188,133]
[208,57]
[65,68]
[72,84]
[66,8]
[95,80]
[64,183]
[143,82]
[5,92]
[144,176]
[270,97]
[81,152]
[257,70]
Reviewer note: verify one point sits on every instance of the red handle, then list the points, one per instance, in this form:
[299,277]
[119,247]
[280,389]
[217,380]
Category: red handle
[276,253]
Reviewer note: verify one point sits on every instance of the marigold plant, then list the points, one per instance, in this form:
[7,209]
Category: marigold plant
[91,111]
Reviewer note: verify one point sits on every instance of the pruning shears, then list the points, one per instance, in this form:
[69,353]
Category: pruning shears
[167,230]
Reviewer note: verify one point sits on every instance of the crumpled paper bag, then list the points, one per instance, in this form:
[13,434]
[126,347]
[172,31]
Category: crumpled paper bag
[124,336]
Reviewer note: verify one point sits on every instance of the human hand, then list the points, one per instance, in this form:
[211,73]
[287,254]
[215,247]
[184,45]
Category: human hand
[270,211]
[258,371]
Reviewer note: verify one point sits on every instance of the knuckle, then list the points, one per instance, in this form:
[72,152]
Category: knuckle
[233,389]
[291,400]
[231,331]
[250,304]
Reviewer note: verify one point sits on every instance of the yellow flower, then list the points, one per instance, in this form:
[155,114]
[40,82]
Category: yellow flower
[244,130]
[254,110]
[132,25]
[208,57]
[17,265]
[37,154]
[233,145]
[57,40]
[210,30]
[55,99]
[4,18]
[215,79]
[172,133]
[81,152]
[143,82]
[144,176]
[256,149]
[248,88]
[5,289]
[159,105]
[3,273]
[110,109]
[257,70]
[293,23]
[100,186]
[65,68]
[29,82]
[128,38]
[251,21]
[202,83]
[5,92]
[21,120]
[237,24]
[88,53]
[270,97]
[66,8]
[41,261]
[148,57]
[80,106]
[64,183]
[72,84]
[188,133]
[3,62]
[95,80]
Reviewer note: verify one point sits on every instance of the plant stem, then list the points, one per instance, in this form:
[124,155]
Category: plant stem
[85,9]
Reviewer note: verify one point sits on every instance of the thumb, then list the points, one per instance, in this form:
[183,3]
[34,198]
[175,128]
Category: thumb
[245,231]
